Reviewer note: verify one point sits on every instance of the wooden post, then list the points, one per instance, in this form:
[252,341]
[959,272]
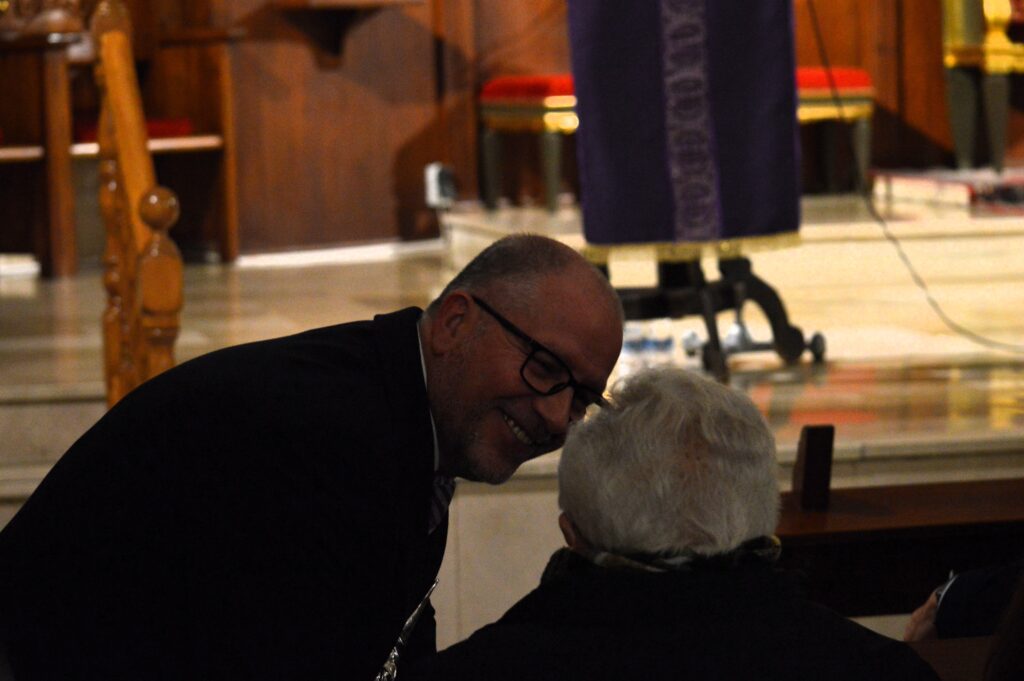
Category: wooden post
[143,268]
[160,282]
[812,473]
[56,249]
[228,232]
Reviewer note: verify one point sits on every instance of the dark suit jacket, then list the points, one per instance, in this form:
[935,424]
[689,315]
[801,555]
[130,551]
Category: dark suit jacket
[258,512]
[742,622]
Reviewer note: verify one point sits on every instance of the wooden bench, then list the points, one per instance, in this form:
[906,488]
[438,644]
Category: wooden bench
[881,550]
[142,266]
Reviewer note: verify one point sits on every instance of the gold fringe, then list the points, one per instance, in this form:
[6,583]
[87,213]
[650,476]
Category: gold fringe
[690,250]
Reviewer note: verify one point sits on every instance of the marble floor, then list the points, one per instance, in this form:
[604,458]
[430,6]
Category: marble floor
[901,386]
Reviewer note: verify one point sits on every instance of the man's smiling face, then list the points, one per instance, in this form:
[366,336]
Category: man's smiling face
[489,420]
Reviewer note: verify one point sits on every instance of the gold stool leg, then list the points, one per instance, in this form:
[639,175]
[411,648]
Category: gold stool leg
[861,132]
[996,88]
[962,100]
[490,148]
[551,157]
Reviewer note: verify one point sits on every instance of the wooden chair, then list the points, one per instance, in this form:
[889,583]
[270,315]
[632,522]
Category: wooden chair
[543,104]
[852,103]
[143,268]
[979,56]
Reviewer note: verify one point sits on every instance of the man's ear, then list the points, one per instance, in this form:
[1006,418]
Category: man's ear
[451,322]
[573,538]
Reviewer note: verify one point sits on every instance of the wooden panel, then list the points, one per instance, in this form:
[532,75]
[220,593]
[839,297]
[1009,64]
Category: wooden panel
[332,137]
[530,36]
[924,108]
[21,85]
[843,26]
[882,59]
[454,24]
[146,16]
[22,206]
[342,4]
[22,209]
[181,81]
[331,147]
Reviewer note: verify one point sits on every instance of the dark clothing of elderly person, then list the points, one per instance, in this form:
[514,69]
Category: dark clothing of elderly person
[973,602]
[731,617]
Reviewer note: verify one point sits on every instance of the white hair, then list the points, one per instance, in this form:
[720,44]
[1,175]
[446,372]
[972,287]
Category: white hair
[678,462]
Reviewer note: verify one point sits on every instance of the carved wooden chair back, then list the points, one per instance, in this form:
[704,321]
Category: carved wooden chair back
[142,265]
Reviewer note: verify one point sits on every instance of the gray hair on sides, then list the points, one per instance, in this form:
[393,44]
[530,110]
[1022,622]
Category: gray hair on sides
[678,462]
[514,264]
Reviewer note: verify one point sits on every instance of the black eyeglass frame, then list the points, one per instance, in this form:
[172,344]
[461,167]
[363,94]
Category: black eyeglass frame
[579,390]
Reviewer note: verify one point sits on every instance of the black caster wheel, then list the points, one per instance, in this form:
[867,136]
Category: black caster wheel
[790,345]
[817,348]
[714,363]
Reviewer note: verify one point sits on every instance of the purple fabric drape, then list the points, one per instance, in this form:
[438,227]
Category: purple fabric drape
[687,119]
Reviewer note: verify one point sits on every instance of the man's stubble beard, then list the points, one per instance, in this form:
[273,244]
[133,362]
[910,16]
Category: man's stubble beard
[468,458]
[458,424]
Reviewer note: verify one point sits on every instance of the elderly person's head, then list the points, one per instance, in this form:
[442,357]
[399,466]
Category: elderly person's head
[516,347]
[678,463]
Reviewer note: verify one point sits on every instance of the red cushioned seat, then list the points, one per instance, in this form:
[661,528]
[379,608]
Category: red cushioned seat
[853,102]
[527,87]
[814,78]
[85,131]
[544,104]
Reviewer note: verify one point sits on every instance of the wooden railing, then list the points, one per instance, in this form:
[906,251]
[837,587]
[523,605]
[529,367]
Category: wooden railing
[143,268]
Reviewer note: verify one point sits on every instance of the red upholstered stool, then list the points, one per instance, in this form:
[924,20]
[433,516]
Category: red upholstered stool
[856,103]
[86,130]
[544,104]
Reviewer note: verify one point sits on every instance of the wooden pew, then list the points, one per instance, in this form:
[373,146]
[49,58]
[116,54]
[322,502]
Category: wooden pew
[142,265]
[881,550]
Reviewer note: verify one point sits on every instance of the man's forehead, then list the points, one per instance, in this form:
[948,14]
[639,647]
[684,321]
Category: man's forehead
[582,328]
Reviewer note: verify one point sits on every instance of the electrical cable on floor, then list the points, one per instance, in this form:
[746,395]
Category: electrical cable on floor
[869,203]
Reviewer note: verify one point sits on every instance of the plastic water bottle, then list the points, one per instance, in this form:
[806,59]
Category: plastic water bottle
[635,348]
[661,344]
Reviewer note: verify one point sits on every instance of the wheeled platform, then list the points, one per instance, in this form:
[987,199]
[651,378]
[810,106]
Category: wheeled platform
[683,290]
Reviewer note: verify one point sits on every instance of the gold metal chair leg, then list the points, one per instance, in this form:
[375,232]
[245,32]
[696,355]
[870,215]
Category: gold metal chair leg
[996,88]
[962,100]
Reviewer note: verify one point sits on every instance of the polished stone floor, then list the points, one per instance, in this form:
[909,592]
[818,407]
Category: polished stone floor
[911,398]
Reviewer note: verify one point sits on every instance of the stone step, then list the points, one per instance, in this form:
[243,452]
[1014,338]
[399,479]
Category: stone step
[37,425]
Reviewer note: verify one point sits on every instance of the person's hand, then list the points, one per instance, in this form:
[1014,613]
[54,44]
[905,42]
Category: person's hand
[922,621]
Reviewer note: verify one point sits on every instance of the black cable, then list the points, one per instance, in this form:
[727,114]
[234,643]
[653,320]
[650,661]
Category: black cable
[869,203]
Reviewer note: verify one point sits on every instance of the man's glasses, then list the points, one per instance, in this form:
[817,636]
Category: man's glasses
[544,372]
